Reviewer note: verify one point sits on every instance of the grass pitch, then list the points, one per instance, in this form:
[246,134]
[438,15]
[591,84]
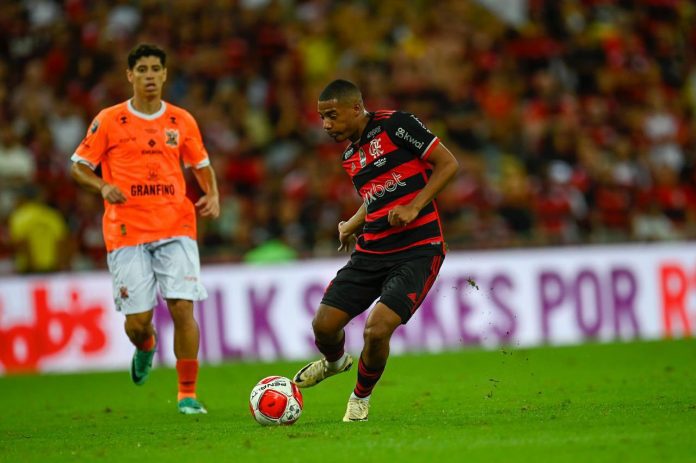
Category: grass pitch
[632,402]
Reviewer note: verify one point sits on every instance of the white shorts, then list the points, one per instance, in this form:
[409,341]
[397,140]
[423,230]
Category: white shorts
[171,264]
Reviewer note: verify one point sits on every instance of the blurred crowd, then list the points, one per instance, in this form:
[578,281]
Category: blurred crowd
[576,126]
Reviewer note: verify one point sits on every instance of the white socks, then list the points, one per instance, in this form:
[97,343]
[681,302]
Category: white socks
[333,366]
[353,396]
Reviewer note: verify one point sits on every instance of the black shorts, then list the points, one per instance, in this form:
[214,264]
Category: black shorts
[399,284]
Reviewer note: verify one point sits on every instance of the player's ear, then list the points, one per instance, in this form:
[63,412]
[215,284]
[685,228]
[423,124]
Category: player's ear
[357,108]
[129,75]
[164,75]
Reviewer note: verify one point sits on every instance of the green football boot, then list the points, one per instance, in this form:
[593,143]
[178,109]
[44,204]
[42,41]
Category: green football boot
[141,364]
[191,406]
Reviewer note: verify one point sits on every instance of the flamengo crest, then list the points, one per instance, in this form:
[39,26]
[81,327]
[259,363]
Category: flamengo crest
[376,148]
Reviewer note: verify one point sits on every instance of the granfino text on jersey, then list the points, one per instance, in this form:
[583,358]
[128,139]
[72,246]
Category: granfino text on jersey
[155,189]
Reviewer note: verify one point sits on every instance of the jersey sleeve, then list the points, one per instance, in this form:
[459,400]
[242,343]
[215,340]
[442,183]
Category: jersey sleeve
[193,151]
[93,147]
[408,132]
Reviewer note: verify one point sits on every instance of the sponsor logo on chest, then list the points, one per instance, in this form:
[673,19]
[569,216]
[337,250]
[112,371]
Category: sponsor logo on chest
[373,132]
[403,134]
[377,190]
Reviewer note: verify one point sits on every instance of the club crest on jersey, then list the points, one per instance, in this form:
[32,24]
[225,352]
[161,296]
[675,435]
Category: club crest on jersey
[376,148]
[95,126]
[363,157]
[172,137]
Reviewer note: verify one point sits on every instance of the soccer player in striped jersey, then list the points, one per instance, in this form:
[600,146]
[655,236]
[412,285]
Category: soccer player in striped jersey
[397,167]
[149,224]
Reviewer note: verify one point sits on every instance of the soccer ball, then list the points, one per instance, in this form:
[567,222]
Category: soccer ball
[275,400]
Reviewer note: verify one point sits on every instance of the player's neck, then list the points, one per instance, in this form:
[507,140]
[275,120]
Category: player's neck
[361,126]
[146,105]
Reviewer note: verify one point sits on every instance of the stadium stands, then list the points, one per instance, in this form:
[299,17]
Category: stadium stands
[577,127]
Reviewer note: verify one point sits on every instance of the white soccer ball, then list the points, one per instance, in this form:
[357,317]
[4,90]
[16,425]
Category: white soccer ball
[275,400]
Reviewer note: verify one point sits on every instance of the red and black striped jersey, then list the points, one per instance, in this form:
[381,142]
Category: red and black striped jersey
[388,167]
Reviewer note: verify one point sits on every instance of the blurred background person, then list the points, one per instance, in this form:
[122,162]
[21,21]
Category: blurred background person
[39,234]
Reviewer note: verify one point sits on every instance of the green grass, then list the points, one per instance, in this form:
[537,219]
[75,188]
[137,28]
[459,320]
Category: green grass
[631,402]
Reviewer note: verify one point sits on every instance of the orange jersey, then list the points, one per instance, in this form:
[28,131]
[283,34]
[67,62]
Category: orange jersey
[142,155]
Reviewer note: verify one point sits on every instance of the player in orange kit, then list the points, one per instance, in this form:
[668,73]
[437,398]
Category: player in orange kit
[149,224]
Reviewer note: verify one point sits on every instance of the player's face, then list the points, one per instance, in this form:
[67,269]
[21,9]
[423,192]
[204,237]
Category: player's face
[339,119]
[148,76]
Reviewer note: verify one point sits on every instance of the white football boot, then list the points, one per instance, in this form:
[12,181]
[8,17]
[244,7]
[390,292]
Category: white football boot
[357,409]
[315,372]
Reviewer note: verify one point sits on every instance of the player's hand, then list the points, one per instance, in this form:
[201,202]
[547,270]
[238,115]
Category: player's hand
[346,239]
[208,206]
[112,194]
[401,216]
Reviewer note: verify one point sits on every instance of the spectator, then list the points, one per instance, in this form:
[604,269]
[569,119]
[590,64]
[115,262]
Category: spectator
[17,168]
[39,235]
[606,88]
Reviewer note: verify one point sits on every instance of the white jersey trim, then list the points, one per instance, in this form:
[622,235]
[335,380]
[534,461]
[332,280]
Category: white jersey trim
[200,165]
[80,160]
[427,148]
[149,117]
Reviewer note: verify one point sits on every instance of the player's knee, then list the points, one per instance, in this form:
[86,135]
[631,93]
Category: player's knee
[322,328]
[183,319]
[328,322]
[377,333]
[137,325]
[181,311]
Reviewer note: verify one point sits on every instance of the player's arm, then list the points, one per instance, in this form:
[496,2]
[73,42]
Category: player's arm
[87,157]
[208,205]
[348,228]
[445,166]
[86,178]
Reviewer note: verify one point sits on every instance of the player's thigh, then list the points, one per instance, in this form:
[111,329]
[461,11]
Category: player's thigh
[177,268]
[354,288]
[408,283]
[134,285]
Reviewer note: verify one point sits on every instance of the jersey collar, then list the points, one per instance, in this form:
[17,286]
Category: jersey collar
[148,117]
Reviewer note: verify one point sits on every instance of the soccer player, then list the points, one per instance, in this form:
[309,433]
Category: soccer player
[149,224]
[398,167]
